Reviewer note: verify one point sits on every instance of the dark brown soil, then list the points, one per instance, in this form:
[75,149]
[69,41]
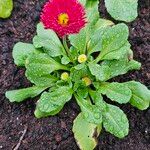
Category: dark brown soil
[55,132]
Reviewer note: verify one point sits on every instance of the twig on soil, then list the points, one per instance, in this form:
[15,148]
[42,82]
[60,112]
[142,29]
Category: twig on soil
[21,138]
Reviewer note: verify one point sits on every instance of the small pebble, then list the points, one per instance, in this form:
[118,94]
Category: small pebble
[58,137]
[63,125]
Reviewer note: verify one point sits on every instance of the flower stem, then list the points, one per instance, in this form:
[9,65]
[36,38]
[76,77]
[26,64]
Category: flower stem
[65,45]
[66,48]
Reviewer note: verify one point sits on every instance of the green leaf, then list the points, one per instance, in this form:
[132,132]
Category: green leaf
[39,114]
[21,51]
[80,66]
[113,40]
[98,99]
[82,91]
[120,67]
[103,23]
[6,7]
[78,84]
[61,83]
[90,112]
[101,72]
[91,3]
[95,43]
[78,72]
[74,53]
[88,3]
[116,92]
[92,14]
[124,10]
[49,41]
[115,121]
[140,95]
[39,67]
[120,53]
[83,2]
[52,102]
[22,94]
[112,68]
[85,133]
[80,40]
[65,60]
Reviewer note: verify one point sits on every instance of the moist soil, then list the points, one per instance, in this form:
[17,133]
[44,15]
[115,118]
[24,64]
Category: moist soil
[54,133]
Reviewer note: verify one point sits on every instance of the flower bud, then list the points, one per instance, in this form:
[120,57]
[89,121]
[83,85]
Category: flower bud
[64,76]
[87,81]
[82,58]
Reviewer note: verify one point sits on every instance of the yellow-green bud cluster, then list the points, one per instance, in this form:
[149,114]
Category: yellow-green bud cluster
[64,76]
[87,81]
[82,58]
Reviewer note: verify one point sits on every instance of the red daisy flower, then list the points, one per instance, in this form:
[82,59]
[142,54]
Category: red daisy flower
[63,16]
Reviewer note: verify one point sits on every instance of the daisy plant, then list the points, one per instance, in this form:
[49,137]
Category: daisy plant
[73,56]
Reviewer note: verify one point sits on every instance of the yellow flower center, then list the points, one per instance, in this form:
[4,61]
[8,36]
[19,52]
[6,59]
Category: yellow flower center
[64,76]
[63,19]
[87,81]
[82,58]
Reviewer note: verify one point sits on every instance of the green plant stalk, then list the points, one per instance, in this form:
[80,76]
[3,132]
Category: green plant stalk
[67,49]
[63,67]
